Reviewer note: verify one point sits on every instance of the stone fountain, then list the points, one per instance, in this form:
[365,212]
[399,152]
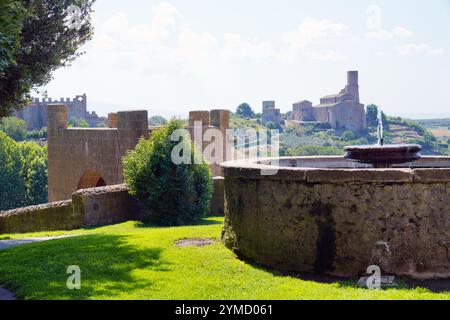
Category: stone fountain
[381,155]
[388,207]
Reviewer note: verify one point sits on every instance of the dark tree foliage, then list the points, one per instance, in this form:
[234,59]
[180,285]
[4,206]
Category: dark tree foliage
[372,115]
[38,41]
[11,18]
[23,173]
[245,111]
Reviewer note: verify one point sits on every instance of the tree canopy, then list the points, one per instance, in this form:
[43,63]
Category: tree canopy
[14,127]
[245,111]
[23,173]
[36,38]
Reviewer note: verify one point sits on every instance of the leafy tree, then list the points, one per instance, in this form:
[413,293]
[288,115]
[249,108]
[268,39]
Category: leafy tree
[372,115]
[12,184]
[14,127]
[11,19]
[157,121]
[171,194]
[37,134]
[348,136]
[313,151]
[245,111]
[35,163]
[23,173]
[39,42]
[78,123]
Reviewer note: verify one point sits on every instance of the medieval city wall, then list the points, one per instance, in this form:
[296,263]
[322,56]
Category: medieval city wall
[81,158]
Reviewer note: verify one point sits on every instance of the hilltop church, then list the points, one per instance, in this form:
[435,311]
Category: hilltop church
[342,110]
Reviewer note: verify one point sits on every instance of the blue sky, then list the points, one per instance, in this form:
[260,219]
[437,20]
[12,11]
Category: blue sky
[170,57]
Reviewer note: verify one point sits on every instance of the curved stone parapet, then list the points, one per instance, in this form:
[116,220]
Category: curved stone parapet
[326,215]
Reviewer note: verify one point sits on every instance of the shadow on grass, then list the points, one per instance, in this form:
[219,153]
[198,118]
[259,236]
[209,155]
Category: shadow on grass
[39,270]
[200,222]
[432,285]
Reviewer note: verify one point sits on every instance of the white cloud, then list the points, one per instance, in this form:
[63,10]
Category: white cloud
[238,48]
[419,48]
[163,23]
[402,32]
[311,31]
[330,55]
[375,28]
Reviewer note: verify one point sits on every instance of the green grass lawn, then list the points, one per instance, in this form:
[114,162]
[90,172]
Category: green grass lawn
[131,261]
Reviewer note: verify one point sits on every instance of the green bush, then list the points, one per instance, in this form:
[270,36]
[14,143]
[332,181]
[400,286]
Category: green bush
[23,173]
[171,194]
[12,185]
[14,127]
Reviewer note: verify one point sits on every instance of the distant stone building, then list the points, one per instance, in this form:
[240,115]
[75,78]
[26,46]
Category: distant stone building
[342,110]
[270,113]
[35,115]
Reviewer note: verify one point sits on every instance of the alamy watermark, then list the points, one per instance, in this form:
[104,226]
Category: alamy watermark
[73,17]
[74,280]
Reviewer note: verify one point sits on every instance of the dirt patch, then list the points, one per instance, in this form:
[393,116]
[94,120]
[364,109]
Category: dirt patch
[194,242]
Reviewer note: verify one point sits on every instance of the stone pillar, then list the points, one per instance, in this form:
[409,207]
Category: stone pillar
[131,126]
[57,123]
[57,117]
[220,119]
[202,116]
[113,120]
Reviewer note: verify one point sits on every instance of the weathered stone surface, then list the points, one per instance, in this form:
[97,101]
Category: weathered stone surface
[47,217]
[340,228]
[106,205]
[217,205]
[432,175]
[363,175]
[89,207]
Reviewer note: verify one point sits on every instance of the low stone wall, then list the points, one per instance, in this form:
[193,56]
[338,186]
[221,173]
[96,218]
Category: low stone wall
[47,217]
[89,207]
[106,205]
[340,221]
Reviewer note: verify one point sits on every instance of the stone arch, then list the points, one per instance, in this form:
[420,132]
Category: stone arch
[90,179]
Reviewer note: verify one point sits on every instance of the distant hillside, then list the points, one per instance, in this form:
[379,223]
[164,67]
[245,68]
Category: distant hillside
[317,138]
[237,122]
[432,123]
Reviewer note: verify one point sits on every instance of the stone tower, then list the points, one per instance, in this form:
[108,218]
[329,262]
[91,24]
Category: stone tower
[352,84]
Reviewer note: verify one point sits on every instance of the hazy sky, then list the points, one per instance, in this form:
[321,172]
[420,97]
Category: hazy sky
[170,57]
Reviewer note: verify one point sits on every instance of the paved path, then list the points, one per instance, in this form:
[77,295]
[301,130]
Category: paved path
[5,244]
[6,295]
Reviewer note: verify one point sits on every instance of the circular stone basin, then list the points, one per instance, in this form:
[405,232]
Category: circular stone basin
[379,155]
[328,215]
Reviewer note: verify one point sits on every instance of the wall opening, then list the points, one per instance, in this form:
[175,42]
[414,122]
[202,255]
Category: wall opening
[91,179]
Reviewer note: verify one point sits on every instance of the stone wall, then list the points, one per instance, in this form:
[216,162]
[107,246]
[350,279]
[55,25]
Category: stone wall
[89,207]
[48,217]
[87,158]
[77,155]
[340,221]
[106,205]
